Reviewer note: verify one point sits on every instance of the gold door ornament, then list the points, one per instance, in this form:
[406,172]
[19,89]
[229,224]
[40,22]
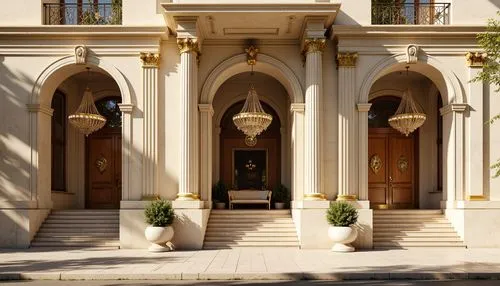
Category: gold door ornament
[402,164]
[101,164]
[375,163]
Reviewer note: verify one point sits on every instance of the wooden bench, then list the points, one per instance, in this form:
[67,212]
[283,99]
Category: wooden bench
[249,197]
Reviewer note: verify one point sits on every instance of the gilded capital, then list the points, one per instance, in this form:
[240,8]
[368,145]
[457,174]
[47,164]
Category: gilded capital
[347,59]
[314,45]
[150,59]
[475,59]
[188,45]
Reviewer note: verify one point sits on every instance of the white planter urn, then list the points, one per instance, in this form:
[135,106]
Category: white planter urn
[342,236]
[279,206]
[159,236]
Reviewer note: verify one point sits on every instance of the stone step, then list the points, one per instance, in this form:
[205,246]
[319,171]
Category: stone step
[77,239]
[90,229]
[210,245]
[83,217]
[409,226]
[406,212]
[412,238]
[81,222]
[250,220]
[250,238]
[250,225]
[250,212]
[423,233]
[417,244]
[88,225]
[410,220]
[85,212]
[72,234]
[114,244]
[210,234]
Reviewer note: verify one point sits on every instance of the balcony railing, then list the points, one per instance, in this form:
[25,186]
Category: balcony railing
[411,14]
[83,13]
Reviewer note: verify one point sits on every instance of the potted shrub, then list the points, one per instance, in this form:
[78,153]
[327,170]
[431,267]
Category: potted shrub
[280,196]
[341,217]
[160,216]
[219,195]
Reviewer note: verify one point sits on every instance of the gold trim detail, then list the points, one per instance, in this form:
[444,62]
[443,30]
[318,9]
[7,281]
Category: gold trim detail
[346,198]
[188,197]
[380,207]
[188,45]
[402,164]
[101,164]
[475,59]
[314,45]
[252,53]
[150,59]
[315,197]
[476,198]
[347,59]
[375,163]
[151,197]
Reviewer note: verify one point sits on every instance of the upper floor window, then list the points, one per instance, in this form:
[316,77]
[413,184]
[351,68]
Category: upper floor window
[83,12]
[410,12]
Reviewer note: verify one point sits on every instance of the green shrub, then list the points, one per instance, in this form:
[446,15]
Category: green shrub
[341,214]
[219,193]
[159,213]
[281,194]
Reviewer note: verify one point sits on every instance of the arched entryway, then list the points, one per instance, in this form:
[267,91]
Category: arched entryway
[244,166]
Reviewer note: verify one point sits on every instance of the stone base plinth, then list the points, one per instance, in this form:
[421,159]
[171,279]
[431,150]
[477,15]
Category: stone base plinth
[19,226]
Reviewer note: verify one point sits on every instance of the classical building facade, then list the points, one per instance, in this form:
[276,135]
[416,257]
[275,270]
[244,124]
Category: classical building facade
[170,75]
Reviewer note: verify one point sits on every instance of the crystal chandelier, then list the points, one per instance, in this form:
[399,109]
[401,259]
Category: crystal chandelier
[408,116]
[87,118]
[252,119]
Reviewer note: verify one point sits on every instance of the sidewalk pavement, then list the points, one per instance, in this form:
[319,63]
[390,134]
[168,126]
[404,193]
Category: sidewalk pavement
[249,264]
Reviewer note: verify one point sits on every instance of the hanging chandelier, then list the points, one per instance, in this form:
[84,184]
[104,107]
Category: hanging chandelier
[87,118]
[252,119]
[408,116]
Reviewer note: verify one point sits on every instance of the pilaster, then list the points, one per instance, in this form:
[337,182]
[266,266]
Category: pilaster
[348,183]
[363,109]
[313,51]
[206,114]
[127,147]
[297,146]
[150,64]
[474,188]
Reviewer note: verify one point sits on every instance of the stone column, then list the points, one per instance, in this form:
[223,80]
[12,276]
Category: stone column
[347,185]
[313,50]
[206,129]
[363,109]
[189,145]
[127,150]
[150,63]
[297,146]
[453,152]
[474,188]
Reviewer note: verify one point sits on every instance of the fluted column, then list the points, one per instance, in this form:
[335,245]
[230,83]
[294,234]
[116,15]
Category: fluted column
[150,63]
[363,109]
[474,187]
[189,165]
[313,51]
[347,189]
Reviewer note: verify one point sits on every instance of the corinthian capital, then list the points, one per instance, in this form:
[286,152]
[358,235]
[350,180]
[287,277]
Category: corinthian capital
[314,45]
[347,59]
[150,59]
[188,45]
[475,59]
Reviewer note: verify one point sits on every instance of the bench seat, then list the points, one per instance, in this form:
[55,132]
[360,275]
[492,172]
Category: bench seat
[249,197]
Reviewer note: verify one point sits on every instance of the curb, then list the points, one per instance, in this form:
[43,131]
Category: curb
[333,276]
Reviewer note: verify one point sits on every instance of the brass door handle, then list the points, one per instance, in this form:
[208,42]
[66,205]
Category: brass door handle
[390,179]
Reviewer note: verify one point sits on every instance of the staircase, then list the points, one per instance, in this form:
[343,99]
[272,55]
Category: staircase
[79,228]
[250,228]
[413,228]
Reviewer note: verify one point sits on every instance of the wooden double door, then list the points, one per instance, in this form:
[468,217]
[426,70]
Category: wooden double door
[392,172]
[104,175]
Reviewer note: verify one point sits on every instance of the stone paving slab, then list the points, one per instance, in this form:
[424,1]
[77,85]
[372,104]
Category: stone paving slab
[249,264]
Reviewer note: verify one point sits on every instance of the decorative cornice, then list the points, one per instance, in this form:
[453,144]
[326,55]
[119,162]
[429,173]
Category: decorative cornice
[315,197]
[150,59]
[347,198]
[33,108]
[476,198]
[126,107]
[364,107]
[346,59]
[188,45]
[475,59]
[297,107]
[453,107]
[314,45]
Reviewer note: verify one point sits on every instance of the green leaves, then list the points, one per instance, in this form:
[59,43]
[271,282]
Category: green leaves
[341,214]
[281,194]
[159,213]
[219,193]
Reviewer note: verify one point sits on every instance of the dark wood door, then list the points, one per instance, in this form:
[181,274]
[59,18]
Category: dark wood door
[104,170]
[392,172]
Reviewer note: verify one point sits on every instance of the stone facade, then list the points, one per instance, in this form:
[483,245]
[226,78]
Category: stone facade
[178,68]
